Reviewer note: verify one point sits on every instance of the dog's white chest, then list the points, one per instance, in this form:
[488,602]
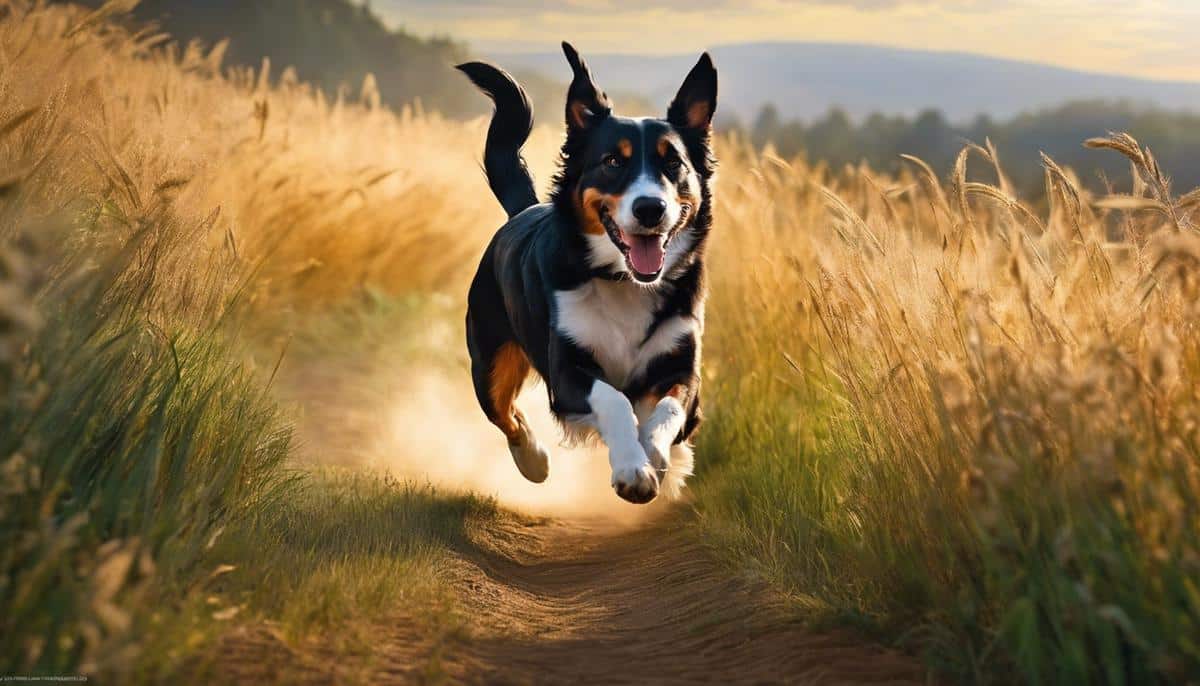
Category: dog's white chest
[611,321]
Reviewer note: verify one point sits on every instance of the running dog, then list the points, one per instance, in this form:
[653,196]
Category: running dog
[601,289]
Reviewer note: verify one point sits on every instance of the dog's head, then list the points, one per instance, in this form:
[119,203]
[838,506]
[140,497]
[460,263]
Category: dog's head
[639,188]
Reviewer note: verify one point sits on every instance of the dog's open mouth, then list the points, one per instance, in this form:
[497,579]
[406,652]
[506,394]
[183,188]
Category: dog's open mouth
[644,253]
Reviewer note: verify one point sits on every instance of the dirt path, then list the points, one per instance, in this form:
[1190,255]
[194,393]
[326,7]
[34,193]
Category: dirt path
[582,602]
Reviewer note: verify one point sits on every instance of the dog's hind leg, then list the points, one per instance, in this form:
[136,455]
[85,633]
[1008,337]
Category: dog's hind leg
[498,379]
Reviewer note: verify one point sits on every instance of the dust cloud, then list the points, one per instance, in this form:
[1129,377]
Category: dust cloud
[435,431]
[385,412]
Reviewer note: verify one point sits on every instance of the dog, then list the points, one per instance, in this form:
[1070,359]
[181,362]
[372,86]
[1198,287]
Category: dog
[600,291]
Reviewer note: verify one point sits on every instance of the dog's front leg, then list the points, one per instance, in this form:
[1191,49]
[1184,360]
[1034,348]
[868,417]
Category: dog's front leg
[583,398]
[661,419]
[633,477]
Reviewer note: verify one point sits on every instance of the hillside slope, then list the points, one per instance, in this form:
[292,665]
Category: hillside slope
[329,42]
[335,44]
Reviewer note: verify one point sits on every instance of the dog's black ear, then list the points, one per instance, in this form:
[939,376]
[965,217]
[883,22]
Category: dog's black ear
[586,103]
[696,102]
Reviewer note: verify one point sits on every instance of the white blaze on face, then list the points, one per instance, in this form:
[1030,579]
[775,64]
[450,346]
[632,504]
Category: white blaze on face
[646,187]
[646,244]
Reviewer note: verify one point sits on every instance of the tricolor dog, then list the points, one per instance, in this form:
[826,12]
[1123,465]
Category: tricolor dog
[600,290]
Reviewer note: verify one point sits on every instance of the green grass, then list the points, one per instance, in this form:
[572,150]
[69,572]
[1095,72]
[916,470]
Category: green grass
[780,492]
[148,506]
[128,437]
[1057,587]
[344,554]
[1043,578]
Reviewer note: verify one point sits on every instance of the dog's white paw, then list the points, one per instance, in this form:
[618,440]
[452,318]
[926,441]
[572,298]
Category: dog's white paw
[637,484]
[532,459]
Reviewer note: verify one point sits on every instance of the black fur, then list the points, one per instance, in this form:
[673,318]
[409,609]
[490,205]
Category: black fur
[513,121]
[544,249]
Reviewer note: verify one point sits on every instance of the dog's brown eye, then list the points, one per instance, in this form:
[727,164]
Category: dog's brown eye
[672,165]
[612,162]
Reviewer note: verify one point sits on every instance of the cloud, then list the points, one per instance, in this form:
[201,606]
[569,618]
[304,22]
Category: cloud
[1073,33]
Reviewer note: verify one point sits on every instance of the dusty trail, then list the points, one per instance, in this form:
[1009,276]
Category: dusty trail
[579,602]
[583,590]
[645,604]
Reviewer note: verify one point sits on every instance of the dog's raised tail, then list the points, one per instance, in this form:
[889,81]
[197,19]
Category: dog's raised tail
[513,120]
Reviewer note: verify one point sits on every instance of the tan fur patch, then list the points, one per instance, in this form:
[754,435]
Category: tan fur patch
[651,399]
[664,144]
[589,205]
[697,114]
[579,115]
[625,147]
[510,368]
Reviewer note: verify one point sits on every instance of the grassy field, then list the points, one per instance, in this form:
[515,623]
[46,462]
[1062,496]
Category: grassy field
[961,423]
[167,235]
[964,421]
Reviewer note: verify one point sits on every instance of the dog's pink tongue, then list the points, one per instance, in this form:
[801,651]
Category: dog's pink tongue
[646,253]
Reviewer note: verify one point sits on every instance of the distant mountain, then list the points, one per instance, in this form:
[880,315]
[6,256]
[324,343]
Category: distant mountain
[806,79]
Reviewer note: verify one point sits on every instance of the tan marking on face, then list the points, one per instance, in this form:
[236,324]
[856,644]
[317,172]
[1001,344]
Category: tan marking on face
[589,204]
[625,147]
[664,144]
[510,368]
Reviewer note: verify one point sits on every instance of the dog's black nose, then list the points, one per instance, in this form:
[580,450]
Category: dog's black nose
[649,211]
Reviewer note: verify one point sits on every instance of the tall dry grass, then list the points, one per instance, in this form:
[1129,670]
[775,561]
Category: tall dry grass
[164,225]
[932,407]
[967,418]
[129,431]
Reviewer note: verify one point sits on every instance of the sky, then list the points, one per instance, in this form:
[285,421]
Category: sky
[1154,39]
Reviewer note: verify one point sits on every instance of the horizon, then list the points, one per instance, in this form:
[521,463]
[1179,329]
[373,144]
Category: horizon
[1155,44]
[554,48]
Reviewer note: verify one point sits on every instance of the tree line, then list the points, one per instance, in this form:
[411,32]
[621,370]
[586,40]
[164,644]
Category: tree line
[880,139]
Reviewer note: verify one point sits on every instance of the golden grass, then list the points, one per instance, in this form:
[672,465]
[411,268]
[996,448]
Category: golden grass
[931,404]
[156,220]
[989,410]
[319,197]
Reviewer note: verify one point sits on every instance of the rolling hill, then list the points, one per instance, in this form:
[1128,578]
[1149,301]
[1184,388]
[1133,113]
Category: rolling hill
[334,44]
[806,79]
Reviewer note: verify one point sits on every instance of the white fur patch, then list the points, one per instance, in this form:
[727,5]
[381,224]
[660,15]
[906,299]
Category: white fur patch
[612,416]
[610,319]
[682,466]
[679,247]
[646,187]
[657,428]
[633,477]
[658,431]
[664,340]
